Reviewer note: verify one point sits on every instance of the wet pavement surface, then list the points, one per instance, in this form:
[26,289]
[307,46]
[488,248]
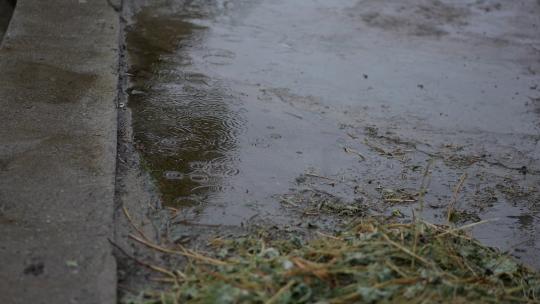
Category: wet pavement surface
[279,111]
[58,133]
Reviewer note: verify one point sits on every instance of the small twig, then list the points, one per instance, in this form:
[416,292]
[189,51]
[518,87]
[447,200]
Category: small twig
[183,252]
[150,266]
[399,200]
[174,211]
[376,148]
[443,230]
[353,151]
[396,269]
[288,202]
[352,135]
[399,281]
[451,231]
[407,251]
[130,220]
[320,176]
[426,180]
[281,291]
[188,223]
[202,186]
[457,189]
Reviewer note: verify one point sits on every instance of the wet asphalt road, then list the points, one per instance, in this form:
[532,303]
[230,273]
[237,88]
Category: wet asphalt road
[240,106]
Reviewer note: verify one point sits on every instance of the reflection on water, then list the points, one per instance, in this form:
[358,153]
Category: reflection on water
[182,121]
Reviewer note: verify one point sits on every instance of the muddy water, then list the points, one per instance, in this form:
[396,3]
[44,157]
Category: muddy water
[240,106]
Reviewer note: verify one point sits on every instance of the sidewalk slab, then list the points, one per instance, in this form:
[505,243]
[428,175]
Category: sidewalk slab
[58,81]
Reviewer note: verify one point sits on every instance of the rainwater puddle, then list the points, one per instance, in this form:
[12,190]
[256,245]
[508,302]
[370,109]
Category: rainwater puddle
[243,108]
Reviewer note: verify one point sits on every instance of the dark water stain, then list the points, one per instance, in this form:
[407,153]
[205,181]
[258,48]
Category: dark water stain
[6,11]
[183,125]
[35,269]
[52,83]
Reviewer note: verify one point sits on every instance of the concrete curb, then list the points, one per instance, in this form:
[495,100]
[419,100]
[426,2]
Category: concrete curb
[58,86]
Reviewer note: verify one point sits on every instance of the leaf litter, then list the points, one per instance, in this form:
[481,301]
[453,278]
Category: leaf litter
[369,261]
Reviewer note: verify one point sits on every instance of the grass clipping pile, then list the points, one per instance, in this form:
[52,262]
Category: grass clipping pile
[369,262]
